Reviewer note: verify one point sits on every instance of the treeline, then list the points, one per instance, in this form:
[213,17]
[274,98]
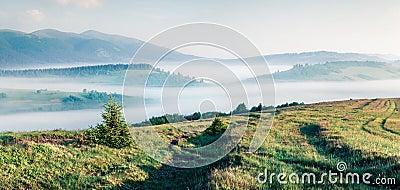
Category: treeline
[75,71]
[161,78]
[290,104]
[88,99]
[241,108]
[109,74]
[174,118]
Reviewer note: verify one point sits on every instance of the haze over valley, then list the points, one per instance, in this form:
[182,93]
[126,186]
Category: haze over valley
[52,72]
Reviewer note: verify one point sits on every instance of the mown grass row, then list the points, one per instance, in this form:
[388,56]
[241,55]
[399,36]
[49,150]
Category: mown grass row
[392,124]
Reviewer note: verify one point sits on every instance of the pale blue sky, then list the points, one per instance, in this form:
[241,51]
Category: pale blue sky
[365,26]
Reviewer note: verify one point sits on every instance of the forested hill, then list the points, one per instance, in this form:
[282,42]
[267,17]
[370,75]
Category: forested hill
[44,47]
[109,74]
[84,71]
[320,57]
[341,71]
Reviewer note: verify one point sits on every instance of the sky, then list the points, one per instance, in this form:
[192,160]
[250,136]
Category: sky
[280,26]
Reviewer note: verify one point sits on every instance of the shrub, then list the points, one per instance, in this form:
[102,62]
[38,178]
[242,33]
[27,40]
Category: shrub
[218,126]
[113,131]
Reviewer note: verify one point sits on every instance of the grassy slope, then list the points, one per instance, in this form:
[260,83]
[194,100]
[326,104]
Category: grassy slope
[341,71]
[20,100]
[310,138]
[30,100]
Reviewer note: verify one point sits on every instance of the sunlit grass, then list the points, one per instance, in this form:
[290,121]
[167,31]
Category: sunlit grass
[309,138]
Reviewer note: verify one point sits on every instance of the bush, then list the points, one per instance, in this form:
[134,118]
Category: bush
[113,131]
[218,126]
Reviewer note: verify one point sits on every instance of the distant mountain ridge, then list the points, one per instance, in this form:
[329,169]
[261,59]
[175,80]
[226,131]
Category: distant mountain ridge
[19,49]
[49,46]
[321,57]
[340,71]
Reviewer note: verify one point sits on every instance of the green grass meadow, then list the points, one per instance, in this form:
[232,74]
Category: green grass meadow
[363,133]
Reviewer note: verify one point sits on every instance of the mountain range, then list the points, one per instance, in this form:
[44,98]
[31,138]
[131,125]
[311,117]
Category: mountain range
[19,49]
[50,48]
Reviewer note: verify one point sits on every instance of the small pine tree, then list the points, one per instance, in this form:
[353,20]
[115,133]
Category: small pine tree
[113,131]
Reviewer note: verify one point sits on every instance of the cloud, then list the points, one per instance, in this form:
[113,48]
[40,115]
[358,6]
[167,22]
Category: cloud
[89,3]
[36,15]
[81,3]
[63,2]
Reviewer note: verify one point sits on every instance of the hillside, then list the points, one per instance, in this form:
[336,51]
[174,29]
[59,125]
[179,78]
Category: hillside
[341,71]
[320,57]
[105,74]
[17,101]
[43,47]
[309,138]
